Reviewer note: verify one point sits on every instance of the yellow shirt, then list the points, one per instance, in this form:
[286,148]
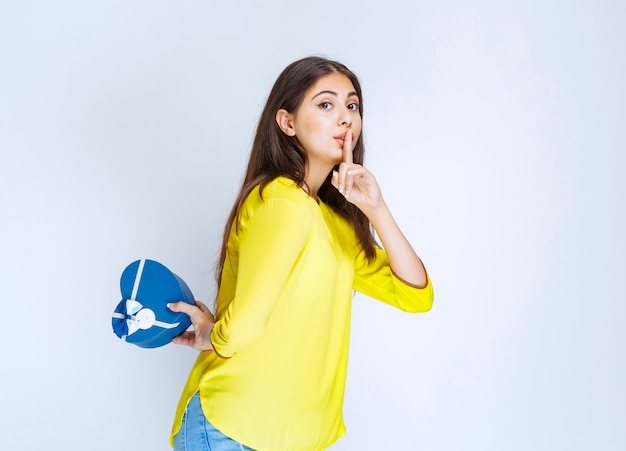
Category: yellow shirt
[283,318]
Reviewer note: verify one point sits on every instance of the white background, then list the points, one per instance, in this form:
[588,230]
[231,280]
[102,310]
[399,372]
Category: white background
[496,130]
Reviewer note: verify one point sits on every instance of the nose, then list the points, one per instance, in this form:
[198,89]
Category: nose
[345,120]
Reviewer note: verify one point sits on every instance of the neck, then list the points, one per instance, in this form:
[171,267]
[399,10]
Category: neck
[315,177]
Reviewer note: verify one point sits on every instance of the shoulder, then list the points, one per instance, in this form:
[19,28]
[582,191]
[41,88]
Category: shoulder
[284,188]
[282,197]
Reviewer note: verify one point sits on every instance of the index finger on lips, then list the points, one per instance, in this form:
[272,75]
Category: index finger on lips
[347,146]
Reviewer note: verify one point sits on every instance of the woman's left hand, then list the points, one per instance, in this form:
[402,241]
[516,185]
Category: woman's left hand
[357,184]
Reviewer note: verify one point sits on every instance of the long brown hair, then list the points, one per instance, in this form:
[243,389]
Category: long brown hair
[276,154]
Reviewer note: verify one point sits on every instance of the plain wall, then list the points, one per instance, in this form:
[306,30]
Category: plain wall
[495,129]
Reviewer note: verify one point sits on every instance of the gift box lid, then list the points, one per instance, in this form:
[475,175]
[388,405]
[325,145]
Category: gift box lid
[142,317]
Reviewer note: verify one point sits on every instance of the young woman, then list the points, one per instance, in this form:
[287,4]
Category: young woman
[298,241]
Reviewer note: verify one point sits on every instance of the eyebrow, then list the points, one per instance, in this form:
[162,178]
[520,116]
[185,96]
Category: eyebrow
[333,93]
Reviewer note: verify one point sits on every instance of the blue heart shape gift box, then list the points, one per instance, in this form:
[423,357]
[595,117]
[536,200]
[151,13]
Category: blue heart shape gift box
[142,317]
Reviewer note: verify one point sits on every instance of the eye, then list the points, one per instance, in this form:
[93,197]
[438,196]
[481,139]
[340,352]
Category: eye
[325,105]
[353,106]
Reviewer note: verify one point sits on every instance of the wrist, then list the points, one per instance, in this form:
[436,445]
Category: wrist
[377,213]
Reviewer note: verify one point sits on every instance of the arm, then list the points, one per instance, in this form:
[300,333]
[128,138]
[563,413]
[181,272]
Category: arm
[402,258]
[359,187]
[377,280]
[270,241]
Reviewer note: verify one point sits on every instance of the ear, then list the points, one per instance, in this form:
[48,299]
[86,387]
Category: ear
[284,119]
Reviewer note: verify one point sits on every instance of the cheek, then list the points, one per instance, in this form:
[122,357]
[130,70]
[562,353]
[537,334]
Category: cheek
[312,126]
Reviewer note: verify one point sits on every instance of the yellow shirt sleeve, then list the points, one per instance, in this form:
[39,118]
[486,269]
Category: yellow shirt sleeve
[377,280]
[271,237]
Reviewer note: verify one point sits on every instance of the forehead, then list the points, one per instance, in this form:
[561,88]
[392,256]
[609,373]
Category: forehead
[334,82]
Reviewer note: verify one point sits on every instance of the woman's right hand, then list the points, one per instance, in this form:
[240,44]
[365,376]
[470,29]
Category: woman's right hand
[202,320]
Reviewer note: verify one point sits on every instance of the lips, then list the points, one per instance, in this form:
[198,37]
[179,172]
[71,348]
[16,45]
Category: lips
[340,138]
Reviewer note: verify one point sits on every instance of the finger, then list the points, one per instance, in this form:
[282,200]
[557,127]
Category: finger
[345,182]
[341,178]
[334,180]
[206,311]
[187,338]
[348,182]
[194,312]
[202,307]
[355,175]
[347,147]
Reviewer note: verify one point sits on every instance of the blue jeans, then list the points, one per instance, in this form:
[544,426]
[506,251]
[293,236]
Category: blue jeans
[197,434]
